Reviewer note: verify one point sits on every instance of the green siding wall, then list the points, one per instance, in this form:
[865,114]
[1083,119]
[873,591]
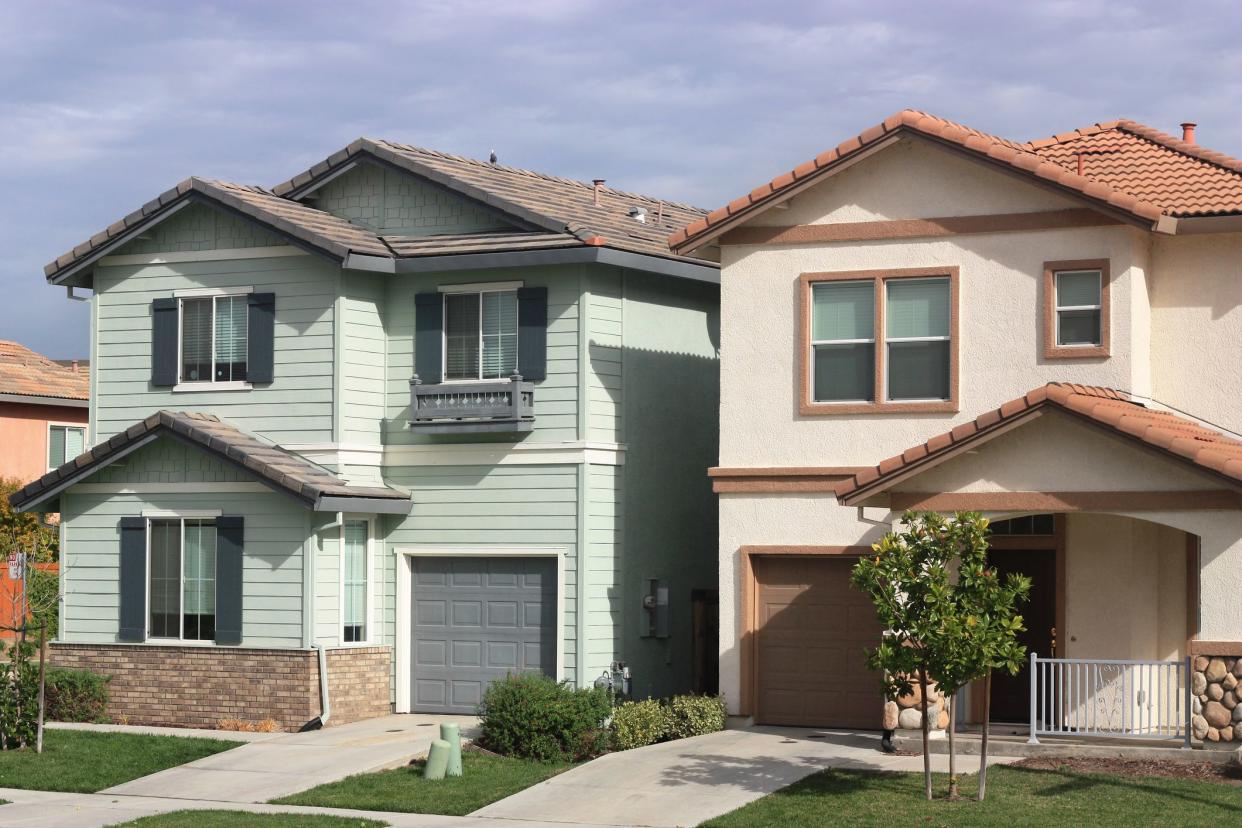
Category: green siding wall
[604,349]
[605,602]
[363,359]
[200,227]
[297,407]
[391,202]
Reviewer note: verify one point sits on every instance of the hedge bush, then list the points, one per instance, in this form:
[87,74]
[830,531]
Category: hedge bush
[695,716]
[638,724]
[75,695]
[534,717]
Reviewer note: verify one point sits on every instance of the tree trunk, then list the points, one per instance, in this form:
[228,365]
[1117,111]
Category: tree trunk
[927,779]
[983,745]
[951,702]
[42,684]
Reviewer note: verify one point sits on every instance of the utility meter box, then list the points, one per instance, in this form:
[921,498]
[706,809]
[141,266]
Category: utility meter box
[655,609]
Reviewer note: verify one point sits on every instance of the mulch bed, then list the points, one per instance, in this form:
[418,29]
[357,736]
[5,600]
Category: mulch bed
[1202,771]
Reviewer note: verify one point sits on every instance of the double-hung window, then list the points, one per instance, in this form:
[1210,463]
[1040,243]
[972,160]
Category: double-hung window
[181,588]
[213,339]
[879,340]
[64,442]
[480,334]
[1076,309]
[355,580]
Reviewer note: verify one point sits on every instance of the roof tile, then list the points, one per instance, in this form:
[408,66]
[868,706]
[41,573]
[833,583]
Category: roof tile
[26,373]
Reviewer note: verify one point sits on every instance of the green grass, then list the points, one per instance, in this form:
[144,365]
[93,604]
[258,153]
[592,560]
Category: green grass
[485,779]
[245,819]
[80,761]
[1016,797]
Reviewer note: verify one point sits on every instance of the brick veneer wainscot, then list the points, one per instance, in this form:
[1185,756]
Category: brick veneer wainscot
[199,686]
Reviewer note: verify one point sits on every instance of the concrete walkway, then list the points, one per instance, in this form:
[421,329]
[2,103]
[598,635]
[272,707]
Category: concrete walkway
[685,782]
[286,763]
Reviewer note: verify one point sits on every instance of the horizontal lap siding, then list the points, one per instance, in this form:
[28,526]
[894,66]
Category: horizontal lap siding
[604,388]
[296,407]
[604,597]
[362,360]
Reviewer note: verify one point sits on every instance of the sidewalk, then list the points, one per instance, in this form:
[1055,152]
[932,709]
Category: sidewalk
[285,763]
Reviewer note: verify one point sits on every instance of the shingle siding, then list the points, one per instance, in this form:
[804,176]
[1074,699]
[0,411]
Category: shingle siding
[200,227]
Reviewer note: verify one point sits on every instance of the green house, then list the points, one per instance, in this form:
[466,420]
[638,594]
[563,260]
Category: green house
[374,437]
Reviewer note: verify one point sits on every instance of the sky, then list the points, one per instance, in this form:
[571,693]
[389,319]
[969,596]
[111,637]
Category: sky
[104,105]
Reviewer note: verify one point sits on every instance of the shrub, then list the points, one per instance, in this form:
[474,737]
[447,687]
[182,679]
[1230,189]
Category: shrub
[638,724]
[43,596]
[695,716]
[75,695]
[533,717]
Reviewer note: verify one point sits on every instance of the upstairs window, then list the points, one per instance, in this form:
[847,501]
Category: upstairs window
[879,340]
[64,442]
[181,590]
[480,335]
[213,339]
[1076,309]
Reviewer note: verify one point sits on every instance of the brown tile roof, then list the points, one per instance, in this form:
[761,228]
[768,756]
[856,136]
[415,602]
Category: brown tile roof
[308,483]
[26,373]
[1128,168]
[560,205]
[449,245]
[1178,437]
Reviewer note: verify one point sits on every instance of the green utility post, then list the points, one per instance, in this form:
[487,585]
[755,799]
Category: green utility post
[437,760]
[451,732]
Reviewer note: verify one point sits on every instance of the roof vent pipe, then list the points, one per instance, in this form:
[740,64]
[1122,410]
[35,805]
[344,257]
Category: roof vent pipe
[1188,132]
[596,183]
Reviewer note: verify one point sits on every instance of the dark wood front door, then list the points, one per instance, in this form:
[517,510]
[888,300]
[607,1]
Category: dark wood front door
[1011,695]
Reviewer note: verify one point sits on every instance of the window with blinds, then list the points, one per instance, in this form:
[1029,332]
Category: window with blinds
[843,341]
[1078,307]
[181,587]
[64,443]
[916,321]
[480,335]
[354,581]
[213,339]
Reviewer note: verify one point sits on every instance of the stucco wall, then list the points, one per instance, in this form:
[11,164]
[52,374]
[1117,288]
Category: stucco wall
[23,433]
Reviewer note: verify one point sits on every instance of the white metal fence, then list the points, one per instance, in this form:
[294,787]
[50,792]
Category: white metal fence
[1110,698]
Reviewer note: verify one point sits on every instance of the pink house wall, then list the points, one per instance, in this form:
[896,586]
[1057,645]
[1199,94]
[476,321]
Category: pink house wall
[23,436]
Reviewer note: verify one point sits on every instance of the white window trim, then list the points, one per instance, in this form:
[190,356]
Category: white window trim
[47,446]
[180,640]
[211,384]
[405,583]
[1057,308]
[457,290]
[368,638]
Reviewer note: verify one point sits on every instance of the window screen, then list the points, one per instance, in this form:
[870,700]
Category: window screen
[843,341]
[1078,307]
[917,338]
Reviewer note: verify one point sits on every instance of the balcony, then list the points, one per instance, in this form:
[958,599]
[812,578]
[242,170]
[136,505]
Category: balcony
[474,407]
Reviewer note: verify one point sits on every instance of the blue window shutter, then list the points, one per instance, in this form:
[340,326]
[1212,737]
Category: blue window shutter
[429,336]
[164,356]
[260,337]
[229,545]
[533,333]
[133,586]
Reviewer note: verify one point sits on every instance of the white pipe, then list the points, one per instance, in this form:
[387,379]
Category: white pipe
[325,704]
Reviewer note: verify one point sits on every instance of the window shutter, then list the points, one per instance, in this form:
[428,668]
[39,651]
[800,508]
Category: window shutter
[428,336]
[533,333]
[229,535]
[260,337]
[164,342]
[133,592]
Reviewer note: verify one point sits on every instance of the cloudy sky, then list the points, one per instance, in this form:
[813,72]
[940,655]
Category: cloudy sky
[105,104]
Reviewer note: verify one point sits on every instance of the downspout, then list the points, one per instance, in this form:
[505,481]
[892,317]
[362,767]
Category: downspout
[325,703]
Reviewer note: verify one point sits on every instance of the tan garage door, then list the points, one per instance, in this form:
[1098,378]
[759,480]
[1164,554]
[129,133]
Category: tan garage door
[813,630]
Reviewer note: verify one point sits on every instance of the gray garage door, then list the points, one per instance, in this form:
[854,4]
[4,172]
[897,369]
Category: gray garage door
[475,620]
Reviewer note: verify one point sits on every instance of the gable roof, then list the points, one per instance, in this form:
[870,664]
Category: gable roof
[1129,170]
[24,373]
[1180,438]
[311,485]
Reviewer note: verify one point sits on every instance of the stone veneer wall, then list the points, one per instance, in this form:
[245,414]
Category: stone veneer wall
[197,686]
[1217,699]
[905,713]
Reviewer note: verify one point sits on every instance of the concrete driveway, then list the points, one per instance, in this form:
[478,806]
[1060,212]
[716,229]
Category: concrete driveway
[685,782]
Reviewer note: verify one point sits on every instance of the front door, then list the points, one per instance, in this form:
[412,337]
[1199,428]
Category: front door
[1011,695]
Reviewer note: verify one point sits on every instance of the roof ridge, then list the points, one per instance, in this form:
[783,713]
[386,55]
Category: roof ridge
[1219,159]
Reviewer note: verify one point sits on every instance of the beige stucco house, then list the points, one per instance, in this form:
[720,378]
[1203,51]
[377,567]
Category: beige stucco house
[930,317]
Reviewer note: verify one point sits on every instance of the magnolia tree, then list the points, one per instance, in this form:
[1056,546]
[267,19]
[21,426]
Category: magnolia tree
[947,618]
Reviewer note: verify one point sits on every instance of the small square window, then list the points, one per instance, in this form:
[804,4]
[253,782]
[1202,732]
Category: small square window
[1076,309]
[480,335]
[214,339]
[64,443]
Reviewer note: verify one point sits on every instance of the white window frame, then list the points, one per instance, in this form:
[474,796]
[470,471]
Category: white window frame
[872,341]
[210,384]
[479,290]
[368,637]
[47,446]
[1057,308]
[181,518]
[886,363]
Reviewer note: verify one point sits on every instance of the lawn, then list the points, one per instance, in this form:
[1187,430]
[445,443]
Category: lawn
[486,779]
[245,819]
[79,761]
[1016,797]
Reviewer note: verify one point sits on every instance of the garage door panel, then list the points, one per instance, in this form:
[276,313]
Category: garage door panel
[475,620]
[813,633]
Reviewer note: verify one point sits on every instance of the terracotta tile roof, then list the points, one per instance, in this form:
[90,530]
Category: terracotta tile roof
[449,245]
[1179,437]
[26,373]
[1143,173]
[560,205]
[274,466]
